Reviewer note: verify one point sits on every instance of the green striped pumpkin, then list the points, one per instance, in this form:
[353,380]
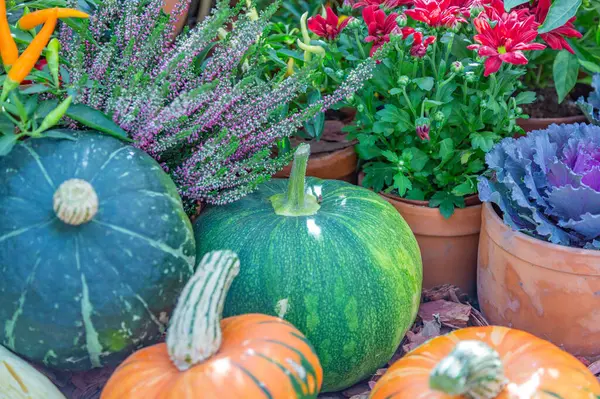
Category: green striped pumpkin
[94,249]
[333,259]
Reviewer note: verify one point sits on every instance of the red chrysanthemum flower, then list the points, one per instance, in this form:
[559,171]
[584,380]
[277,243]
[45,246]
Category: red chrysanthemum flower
[555,38]
[420,45]
[435,13]
[328,28]
[506,41]
[380,26]
[390,4]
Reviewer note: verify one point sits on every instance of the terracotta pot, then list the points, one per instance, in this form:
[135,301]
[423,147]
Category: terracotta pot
[168,7]
[448,246]
[549,290]
[542,123]
[337,165]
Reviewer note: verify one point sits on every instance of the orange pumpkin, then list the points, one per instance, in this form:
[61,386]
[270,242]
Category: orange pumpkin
[249,356]
[487,363]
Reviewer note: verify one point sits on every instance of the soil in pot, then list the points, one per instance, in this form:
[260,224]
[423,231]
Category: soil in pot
[333,156]
[546,110]
[448,246]
[548,290]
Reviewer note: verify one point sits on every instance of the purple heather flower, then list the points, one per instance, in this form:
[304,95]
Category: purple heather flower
[210,130]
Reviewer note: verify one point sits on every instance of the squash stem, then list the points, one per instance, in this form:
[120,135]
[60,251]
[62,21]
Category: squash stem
[75,202]
[296,202]
[195,331]
[473,370]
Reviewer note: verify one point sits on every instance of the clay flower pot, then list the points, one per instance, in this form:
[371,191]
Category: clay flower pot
[448,246]
[337,165]
[333,157]
[168,7]
[549,290]
[532,124]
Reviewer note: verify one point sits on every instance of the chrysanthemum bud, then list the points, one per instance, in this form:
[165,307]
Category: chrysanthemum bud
[403,81]
[457,67]
[423,126]
[401,20]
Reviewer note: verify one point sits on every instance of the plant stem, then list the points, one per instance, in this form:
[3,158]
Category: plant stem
[412,109]
[296,202]
[195,332]
[361,49]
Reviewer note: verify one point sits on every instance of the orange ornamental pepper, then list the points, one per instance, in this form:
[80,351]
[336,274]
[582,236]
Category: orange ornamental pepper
[8,47]
[36,18]
[30,56]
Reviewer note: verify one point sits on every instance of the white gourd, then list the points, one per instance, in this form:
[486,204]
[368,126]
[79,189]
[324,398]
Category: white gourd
[20,380]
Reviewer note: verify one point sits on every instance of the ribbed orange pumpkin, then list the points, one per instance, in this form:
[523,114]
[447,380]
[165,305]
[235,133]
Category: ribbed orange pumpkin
[249,356]
[487,363]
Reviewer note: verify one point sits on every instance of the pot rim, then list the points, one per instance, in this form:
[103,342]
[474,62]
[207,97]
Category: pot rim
[564,119]
[470,201]
[500,238]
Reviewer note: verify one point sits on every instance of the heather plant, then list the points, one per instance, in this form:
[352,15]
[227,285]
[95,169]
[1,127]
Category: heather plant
[547,184]
[198,105]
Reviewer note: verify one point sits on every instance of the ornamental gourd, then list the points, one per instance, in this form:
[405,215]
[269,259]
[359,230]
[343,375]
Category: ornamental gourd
[19,380]
[94,249]
[244,357]
[487,363]
[333,259]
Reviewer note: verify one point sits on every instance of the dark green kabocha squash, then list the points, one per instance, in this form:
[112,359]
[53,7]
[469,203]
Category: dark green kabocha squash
[95,247]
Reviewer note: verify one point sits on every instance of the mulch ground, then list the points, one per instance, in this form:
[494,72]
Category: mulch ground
[442,310]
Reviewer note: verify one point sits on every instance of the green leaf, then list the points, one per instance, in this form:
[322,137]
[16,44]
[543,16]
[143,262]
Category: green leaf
[464,158]
[483,141]
[45,107]
[6,125]
[402,183]
[431,103]
[590,66]
[559,14]
[35,88]
[566,69]
[447,202]
[446,149]
[379,175]
[509,4]
[525,97]
[475,166]
[395,91]
[7,142]
[464,189]
[96,120]
[424,83]
[390,156]
[59,134]
[419,159]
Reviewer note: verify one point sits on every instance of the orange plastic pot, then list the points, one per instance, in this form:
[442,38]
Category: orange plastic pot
[337,165]
[548,290]
[532,124]
[448,246]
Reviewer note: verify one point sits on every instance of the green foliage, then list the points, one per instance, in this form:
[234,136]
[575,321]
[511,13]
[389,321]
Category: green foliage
[466,113]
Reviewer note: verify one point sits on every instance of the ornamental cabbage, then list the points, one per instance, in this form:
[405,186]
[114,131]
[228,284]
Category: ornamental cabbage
[547,184]
[591,106]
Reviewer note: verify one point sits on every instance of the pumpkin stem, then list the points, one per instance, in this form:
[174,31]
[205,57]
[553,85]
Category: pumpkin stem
[195,331]
[473,369]
[296,202]
[75,202]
